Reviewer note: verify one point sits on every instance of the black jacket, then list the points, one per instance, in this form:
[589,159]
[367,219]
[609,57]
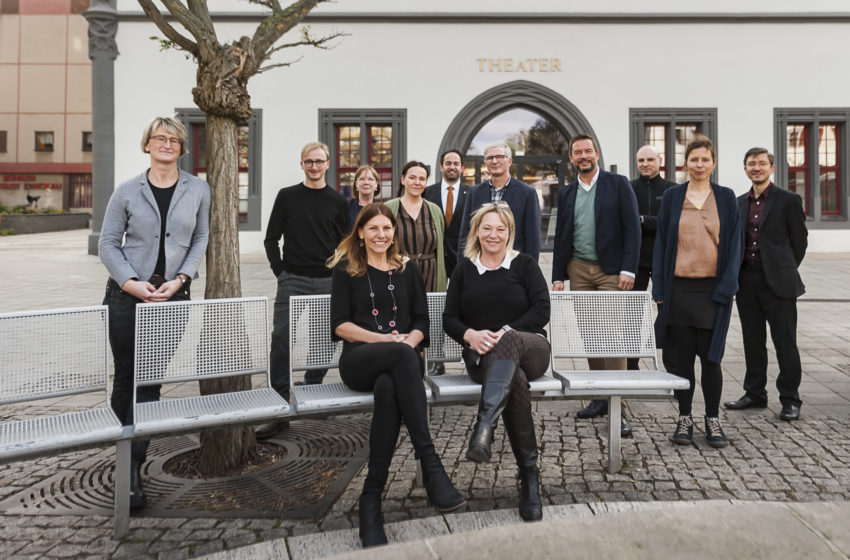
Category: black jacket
[648,193]
[451,238]
[783,239]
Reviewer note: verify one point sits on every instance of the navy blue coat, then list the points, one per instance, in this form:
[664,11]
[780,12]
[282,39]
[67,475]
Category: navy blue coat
[617,226]
[523,201]
[728,261]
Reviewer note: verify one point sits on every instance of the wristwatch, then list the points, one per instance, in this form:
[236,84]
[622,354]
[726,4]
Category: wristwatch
[185,279]
[506,328]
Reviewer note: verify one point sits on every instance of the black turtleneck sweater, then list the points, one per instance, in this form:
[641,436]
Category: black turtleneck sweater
[648,193]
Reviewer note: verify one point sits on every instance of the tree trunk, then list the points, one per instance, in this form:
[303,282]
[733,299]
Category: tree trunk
[222,450]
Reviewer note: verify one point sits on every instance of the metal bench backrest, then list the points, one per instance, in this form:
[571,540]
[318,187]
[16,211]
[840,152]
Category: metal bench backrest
[193,340]
[53,353]
[602,325]
[443,348]
[310,344]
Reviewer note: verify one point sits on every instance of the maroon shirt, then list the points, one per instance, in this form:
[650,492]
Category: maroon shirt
[754,218]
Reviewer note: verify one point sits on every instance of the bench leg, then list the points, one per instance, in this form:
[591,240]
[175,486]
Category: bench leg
[615,453]
[122,488]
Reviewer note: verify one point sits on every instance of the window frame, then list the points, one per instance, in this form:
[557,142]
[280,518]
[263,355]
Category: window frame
[706,118]
[194,116]
[329,119]
[813,118]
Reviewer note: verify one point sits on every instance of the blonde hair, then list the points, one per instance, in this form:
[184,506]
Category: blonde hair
[172,126]
[473,244]
[310,146]
[360,171]
[352,250]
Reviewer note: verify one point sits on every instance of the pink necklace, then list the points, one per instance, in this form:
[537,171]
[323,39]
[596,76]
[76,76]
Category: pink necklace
[390,289]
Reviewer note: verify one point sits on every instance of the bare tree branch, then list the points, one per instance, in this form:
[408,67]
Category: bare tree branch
[279,65]
[182,14]
[159,20]
[202,12]
[309,41]
[278,23]
[273,5]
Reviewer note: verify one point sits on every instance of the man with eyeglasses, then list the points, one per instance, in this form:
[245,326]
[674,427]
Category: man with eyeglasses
[520,198]
[597,241]
[312,219]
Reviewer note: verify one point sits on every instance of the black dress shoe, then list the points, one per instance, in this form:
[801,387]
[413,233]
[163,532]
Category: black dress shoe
[790,412]
[625,427]
[745,402]
[267,431]
[437,369]
[597,407]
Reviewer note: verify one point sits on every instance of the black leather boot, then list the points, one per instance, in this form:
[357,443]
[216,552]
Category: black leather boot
[495,392]
[138,499]
[520,427]
[441,492]
[371,520]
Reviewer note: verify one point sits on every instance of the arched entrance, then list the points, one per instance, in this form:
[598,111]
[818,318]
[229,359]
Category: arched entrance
[537,123]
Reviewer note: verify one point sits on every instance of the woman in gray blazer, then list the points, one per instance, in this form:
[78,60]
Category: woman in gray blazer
[154,235]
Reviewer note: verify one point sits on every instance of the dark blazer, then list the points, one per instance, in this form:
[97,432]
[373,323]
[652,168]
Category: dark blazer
[783,239]
[523,202]
[728,261]
[451,239]
[617,226]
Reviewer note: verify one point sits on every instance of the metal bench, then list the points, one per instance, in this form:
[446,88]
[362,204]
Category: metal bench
[444,349]
[188,341]
[311,347]
[608,325]
[49,354]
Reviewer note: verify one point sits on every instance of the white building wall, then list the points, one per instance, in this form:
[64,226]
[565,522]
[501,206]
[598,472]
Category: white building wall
[744,70]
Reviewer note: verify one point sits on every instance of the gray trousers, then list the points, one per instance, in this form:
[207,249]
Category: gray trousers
[289,284]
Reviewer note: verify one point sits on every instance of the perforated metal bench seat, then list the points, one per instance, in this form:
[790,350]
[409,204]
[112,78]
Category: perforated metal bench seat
[194,413]
[333,397]
[36,436]
[621,382]
[461,385]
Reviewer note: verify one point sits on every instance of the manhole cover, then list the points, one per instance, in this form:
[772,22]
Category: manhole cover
[322,456]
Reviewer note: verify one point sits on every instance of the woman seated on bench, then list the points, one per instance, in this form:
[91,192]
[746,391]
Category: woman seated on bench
[379,310]
[496,307]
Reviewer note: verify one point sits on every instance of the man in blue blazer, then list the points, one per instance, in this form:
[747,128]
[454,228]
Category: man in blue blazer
[597,240]
[520,197]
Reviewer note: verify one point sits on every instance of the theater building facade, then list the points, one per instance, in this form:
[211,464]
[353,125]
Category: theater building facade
[406,83]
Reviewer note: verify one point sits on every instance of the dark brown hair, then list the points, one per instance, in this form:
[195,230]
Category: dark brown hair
[582,136]
[698,142]
[753,152]
[352,250]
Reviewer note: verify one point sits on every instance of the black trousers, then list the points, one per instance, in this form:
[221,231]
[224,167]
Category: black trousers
[668,353]
[393,371]
[691,342]
[757,306]
[122,340]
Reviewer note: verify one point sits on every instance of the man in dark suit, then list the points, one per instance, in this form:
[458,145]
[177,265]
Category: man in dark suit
[520,197]
[775,241]
[450,196]
[597,240]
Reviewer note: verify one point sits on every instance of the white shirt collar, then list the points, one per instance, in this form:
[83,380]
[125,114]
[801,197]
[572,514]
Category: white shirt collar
[506,262]
[592,181]
[446,186]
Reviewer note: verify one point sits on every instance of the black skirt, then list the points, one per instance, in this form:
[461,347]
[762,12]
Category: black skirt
[691,304]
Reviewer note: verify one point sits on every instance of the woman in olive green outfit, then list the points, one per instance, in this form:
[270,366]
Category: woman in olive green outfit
[421,226]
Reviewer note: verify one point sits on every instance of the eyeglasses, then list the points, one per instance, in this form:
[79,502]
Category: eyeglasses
[314,162]
[166,139]
[497,157]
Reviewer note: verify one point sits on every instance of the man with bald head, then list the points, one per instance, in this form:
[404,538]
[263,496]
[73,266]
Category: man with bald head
[649,186]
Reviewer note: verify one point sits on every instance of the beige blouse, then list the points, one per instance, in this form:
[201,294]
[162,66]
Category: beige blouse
[699,235]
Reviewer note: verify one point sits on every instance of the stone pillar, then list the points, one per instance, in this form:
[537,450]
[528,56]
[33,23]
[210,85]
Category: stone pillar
[103,23]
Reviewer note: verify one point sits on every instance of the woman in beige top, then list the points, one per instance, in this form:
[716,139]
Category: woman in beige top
[695,276]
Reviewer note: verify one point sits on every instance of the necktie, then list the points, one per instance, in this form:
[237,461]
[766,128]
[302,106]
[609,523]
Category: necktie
[450,202]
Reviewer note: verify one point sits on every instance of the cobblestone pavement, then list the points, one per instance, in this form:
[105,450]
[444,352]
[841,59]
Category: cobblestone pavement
[768,460]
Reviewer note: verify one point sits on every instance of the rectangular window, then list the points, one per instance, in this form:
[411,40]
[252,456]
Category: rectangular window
[670,131]
[43,140]
[87,140]
[249,152]
[3,139]
[810,153]
[364,137]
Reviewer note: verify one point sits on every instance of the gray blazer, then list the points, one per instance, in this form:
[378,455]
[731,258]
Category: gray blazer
[133,210]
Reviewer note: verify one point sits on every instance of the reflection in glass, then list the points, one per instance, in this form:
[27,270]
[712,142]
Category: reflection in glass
[656,135]
[685,133]
[526,132]
[349,146]
[382,145]
[796,157]
[830,190]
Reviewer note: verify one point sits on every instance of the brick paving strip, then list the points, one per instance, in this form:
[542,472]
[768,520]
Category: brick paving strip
[768,460]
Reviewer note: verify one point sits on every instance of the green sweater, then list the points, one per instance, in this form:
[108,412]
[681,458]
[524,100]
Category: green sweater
[584,229]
